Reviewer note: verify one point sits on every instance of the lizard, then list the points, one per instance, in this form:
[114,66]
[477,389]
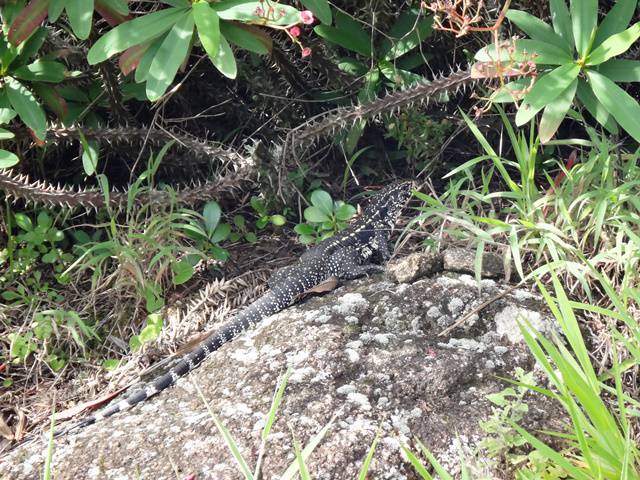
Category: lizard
[356,251]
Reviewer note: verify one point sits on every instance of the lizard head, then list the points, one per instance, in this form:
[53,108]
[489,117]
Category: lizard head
[389,202]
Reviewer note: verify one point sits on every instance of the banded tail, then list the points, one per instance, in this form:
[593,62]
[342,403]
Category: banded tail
[268,304]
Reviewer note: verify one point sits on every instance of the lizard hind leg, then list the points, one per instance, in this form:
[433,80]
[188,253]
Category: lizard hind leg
[347,264]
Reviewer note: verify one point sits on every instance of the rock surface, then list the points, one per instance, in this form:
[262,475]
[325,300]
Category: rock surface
[366,354]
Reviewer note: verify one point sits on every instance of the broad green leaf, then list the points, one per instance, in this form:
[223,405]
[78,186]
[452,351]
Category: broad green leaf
[555,112]
[322,200]
[8,159]
[545,91]
[225,62]
[595,108]
[406,34]
[352,67]
[114,12]
[134,32]
[614,45]
[182,272]
[55,9]
[142,70]
[584,15]
[41,71]
[33,44]
[537,29]
[616,20]
[347,33]
[620,70]
[208,26]
[320,9]
[52,99]
[29,18]
[90,154]
[80,14]
[28,108]
[169,57]
[211,214]
[511,91]
[6,134]
[561,19]
[620,104]
[247,37]
[545,53]
[247,12]
[131,57]
[315,215]
[6,112]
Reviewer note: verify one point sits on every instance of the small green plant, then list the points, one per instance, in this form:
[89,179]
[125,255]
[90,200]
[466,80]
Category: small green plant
[575,57]
[31,246]
[387,64]
[52,332]
[264,218]
[149,333]
[323,218]
[207,230]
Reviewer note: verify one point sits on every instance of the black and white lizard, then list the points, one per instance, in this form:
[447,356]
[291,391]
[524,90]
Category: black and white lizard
[352,253]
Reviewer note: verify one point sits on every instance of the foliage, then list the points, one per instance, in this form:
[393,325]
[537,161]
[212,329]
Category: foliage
[31,246]
[150,332]
[261,208]
[49,335]
[323,218]
[575,58]
[155,45]
[387,64]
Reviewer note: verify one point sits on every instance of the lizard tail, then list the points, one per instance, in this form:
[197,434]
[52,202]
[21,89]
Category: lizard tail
[248,318]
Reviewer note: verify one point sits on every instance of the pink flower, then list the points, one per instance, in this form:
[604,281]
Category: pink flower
[307,17]
[294,31]
[259,11]
[306,51]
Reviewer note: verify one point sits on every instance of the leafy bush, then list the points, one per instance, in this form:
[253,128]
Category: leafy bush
[576,58]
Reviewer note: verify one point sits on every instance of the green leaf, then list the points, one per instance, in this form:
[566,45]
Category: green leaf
[134,32]
[511,91]
[34,43]
[621,70]
[6,112]
[315,215]
[55,9]
[584,15]
[90,155]
[41,71]
[221,233]
[182,272]
[225,62]
[407,33]
[24,222]
[352,67]
[245,12]
[616,20]
[28,108]
[545,91]
[26,22]
[80,14]
[278,220]
[620,104]
[322,200]
[545,53]
[170,55]
[561,19]
[537,29]
[242,35]
[347,33]
[595,108]
[6,134]
[614,45]
[320,9]
[345,211]
[8,159]
[211,213]
[142,70]
[555,112]
[208,26]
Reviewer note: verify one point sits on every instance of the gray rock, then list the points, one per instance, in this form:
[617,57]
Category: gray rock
[388,372]
[462,260]
[415,266]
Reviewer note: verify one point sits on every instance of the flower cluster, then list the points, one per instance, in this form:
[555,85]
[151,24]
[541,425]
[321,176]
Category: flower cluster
[268,13]
[294,32]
